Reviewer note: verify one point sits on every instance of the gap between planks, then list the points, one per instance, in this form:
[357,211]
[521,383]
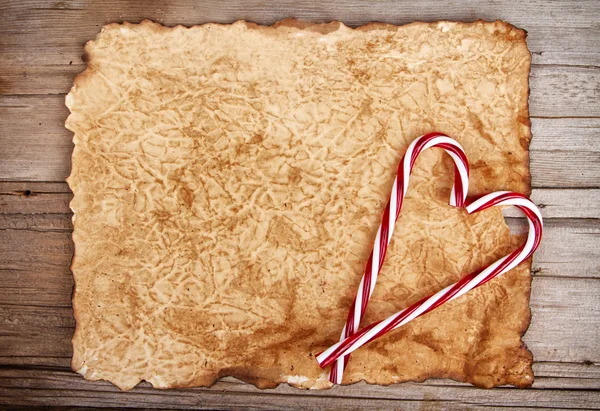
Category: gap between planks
[21,197]
[564,327]
[43,242]
[547,375]
[564,152]
[231,393]
[62,30]
[571,38]
[555,90]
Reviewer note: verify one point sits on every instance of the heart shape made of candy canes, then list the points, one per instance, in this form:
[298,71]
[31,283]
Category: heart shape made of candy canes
[352,338]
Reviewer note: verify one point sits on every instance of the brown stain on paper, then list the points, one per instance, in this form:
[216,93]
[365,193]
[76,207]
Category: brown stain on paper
[229,180]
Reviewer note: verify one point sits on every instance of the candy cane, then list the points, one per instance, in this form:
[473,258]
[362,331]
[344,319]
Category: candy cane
[343,348]
[390,215]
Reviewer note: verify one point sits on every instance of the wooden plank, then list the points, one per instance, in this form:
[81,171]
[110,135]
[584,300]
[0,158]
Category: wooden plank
[37,146]
[42,361]
[565,324]
[564,151]
[53,198]
[563,91]
[43,242]
[556,375]
[569,249]
[44,39]
[564,169]
[556,91]
[37,287]
[32,330]
[565,134]
[44,14]
[36,222]
[562,310]
[20,188]
[34,202]
[63,388]
[560,375]
[39,79]
[22,250]
[567,370]
[562,203]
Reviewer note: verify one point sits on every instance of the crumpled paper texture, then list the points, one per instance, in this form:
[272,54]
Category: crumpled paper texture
[229,180]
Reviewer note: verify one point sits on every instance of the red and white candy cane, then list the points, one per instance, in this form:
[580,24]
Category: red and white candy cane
[476,279]
[390,215]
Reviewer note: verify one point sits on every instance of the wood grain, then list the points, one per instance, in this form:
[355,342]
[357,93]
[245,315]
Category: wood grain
[574,86]
[40,148]
[41,47]
[30,197]
[564,203]
[43,242]
[63,388]
[564,325]
[39,224]
[50,34]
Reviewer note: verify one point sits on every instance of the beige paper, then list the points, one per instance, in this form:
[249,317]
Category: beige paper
[229,181]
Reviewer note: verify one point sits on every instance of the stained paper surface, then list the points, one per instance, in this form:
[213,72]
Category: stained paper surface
[229,181]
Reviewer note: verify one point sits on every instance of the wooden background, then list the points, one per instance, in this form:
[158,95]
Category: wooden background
[40,48]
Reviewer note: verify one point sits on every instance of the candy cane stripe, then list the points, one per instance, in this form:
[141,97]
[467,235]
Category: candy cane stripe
[390,215]
[340,351]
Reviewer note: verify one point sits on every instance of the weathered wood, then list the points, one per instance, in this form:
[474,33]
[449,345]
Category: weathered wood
[565,324]
[43,38]
[562,310]
[565,134]
[568,370]
[45,361]
[569,249]
[30,330]
[565,169]
[54,198]
[18,198]
[36,222]
[563,203]
[34,144]
[564,152]
[62,388]
[38,287]
[43,242]
[19,188]
[558,91]
[34,202]
[566,375]
[41,43]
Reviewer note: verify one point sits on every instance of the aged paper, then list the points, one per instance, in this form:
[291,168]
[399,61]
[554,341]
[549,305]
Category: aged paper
[229,181]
